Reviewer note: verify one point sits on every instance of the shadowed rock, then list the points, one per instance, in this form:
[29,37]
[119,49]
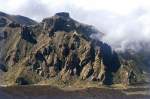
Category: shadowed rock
[63,14]
[28,35]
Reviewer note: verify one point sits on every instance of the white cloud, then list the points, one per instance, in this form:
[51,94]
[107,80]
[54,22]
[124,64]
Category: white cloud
[120,7]
[123,21]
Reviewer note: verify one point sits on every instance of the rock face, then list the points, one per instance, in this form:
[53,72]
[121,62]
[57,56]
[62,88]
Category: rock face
[60,47]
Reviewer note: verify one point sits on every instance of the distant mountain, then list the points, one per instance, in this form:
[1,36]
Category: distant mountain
[61,48]
[16,18]
[140,55]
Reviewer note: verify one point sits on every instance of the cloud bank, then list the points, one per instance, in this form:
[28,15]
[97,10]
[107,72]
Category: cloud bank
[125,23]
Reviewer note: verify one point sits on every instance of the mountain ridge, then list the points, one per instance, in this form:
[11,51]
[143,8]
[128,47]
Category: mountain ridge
[18,19]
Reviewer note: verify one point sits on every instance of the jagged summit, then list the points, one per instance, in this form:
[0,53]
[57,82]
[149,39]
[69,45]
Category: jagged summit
[60,48]
[63,22]
[63,14]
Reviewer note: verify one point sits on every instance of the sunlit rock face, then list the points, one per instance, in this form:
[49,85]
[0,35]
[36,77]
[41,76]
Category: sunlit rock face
[60,47]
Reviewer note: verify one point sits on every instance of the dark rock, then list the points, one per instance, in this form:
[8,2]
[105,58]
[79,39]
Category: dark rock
[22,81]
[111,62]
[14,25]
[28,35]
[3,35]
[65,50]
[39,56]
[63,14]
[3,22]
[3,67]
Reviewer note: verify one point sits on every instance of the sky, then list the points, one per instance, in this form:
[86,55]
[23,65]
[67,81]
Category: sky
[125,22]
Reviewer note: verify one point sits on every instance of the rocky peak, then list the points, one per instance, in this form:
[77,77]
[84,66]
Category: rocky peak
[63,22]
[63,14]
[59,22]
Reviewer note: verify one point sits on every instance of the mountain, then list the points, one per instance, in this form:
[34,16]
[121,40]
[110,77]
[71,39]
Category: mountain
[6,18]
[140,55]
[59,49]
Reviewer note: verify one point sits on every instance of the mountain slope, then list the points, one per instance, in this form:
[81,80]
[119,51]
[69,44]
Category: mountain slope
[6,21]
[61,48]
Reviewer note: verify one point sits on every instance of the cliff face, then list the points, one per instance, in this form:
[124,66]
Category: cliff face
[61,48]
